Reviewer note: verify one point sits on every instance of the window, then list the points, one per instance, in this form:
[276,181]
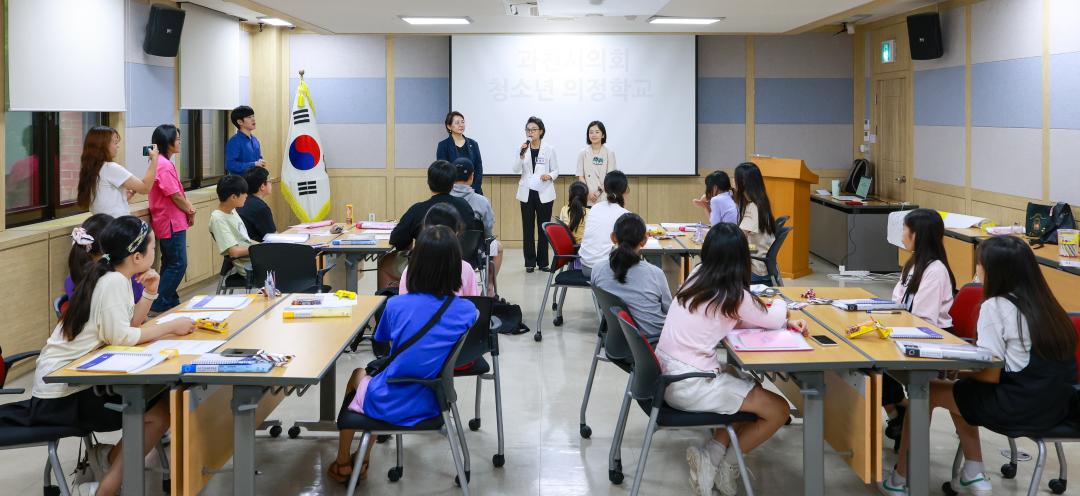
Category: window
[42,152]
[202,153]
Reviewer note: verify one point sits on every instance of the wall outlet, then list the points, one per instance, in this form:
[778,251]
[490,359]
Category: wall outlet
[371,216]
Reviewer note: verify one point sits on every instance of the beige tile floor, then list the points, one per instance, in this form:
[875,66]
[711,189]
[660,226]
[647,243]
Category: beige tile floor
[542,388]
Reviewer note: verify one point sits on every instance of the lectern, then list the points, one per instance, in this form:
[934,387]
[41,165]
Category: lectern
[788,181]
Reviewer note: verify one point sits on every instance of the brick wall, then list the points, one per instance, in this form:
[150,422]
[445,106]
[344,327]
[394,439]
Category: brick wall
[72,132]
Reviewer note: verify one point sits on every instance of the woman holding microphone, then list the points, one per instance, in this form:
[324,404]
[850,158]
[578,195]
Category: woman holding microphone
[595,161]
[536,191]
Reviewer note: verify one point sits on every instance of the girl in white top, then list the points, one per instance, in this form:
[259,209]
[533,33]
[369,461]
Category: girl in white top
[106,186]
[539,168]
[755,214]
[596,243]
[102,313]
[1021,322]
[595,161]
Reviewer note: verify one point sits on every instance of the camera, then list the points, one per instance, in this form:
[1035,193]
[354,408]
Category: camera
[146,150]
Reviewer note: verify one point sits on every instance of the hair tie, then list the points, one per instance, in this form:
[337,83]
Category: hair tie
[81,238]
[105,258]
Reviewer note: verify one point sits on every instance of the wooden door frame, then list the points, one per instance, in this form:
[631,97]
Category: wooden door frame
[909,138]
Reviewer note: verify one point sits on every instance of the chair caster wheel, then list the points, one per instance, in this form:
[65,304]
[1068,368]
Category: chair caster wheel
[554,306]
[585,431]
[382,438]
[498,460]
[52,491]
[615,476]
[394,474]
[474,424]
[538,337]
[294,432]
[557,322]
[789,419]
[468,478]
[947,489]
[1057,486]
[1008,470]
[275,431]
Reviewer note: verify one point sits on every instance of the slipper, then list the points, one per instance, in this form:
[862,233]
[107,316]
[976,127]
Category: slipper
[335,470]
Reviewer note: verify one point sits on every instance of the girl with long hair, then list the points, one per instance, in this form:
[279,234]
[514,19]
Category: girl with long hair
[755,213]
[104,185]
[574,212]
[642,286]
[86,250]
[714,300]
[717,200]
[596,241]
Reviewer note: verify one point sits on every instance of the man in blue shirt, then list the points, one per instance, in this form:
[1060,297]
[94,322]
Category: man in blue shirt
[243,151]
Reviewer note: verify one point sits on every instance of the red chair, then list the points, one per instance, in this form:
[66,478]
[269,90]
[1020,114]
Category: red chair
[965,311]
[561,276]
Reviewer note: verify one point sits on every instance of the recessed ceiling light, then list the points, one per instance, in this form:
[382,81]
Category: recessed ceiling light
[434,21]
[274,21]
[696,21]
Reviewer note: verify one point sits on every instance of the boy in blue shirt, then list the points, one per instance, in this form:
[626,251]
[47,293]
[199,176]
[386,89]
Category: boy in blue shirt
[243,151]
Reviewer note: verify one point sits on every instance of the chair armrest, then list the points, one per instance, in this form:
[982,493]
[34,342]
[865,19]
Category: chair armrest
[13,359]
[759,259]
[12,391]
[429,383]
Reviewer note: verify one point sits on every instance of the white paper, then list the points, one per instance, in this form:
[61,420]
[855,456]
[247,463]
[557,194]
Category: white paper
[378,231]
[317,233]
[895,232]
[185,346]
[285,238]
[219,315]
[674,226]
[382,236]
[357,237]
[219,303]
[960,221]
[652,244]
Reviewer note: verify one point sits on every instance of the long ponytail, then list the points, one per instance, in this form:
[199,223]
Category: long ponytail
[629,233]
[86,245]
[579,196]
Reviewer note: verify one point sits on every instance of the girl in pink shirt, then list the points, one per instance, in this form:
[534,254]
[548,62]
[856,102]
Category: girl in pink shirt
[442,214]
[927,287]
[714,300]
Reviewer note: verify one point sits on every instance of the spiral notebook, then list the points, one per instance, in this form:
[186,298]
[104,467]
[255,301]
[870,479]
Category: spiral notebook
[121,362]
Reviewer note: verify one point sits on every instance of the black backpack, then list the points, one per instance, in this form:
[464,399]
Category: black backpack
[506,318]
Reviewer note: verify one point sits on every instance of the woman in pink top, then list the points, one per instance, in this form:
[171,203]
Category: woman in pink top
[927,287]
[171,214]
[714,300]
[442,214]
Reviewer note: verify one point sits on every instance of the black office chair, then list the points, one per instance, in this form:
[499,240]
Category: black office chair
[780,221]
[474,250]
[648,385]
[561,276]
[770,256]
[58,305]
[482,340]
[295,267]
[445,395]
[604,333]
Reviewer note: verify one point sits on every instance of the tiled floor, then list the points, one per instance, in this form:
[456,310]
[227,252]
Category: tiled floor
[542,388]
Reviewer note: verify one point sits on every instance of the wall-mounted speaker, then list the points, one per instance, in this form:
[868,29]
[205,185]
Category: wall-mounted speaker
[163,31]
[924,36]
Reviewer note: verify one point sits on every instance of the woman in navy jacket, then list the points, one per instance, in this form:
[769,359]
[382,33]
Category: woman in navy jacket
[457,145]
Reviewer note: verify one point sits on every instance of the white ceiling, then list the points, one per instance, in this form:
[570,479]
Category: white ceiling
[488,16]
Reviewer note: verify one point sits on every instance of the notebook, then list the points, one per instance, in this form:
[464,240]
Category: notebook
[947,351]
[914,333]
[762,340]
[868,304]
[285,238]
[652,244]
[219,302]
[121,362]
[219,316]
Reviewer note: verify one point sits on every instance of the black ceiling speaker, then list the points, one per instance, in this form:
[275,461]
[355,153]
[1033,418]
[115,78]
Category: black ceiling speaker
[163,31]
[924,36]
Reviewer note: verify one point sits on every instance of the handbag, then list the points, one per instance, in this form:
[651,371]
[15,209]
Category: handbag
[377,365]
[1035,219]
[1043,221]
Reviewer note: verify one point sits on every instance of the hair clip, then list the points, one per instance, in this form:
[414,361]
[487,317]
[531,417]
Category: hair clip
[81,238]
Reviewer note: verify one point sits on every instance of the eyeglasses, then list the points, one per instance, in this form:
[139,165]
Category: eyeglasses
[532,129]
[143,230]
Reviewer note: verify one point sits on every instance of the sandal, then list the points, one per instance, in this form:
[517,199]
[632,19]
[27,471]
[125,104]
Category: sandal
[335,470]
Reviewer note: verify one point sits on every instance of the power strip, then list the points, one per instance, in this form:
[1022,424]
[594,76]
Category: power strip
[857,273]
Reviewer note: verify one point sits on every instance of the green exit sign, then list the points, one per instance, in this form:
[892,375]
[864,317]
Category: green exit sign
[888,51]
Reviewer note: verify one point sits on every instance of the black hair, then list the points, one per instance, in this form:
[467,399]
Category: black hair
[240,113]
[718,181]
[450,119]
[435,262]
[115,240]
[80,258]
[444,214]
[750,188]
[722,278]
[256,177]
[929,231]
[539,123]
[629,232]
[440,176]
[603,131]
[230,185]
[1012,272]
[164,136]
[579,198]
[615,185]
[464,167]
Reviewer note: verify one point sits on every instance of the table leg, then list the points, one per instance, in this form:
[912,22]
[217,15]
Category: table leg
[244,402]
[328,406]
[813,390]
[351,262]
[133,410]
[918,389]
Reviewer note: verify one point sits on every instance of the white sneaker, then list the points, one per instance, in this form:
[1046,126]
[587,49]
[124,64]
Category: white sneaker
[702,471]
[98,457]
[889,488]
[727,478]
[86,489]
[978,486]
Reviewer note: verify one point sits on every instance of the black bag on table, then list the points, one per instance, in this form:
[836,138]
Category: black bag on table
[1043,221]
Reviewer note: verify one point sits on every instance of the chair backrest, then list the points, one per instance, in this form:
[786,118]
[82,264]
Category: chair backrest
[294,266]
[780,221]
[646,366]
[1076,323]
[478,337]
[60,304]
[614,343]
[470,247]
[965,310]
[774,251]
[446,394]
[562,243]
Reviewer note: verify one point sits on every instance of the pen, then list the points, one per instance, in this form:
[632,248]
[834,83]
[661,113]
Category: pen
[887,312]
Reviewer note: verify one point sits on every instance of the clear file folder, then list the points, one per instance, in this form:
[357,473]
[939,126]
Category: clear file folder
[923,349]
[762,340]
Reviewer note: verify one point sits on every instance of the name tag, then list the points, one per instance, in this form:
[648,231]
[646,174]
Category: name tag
[541,160]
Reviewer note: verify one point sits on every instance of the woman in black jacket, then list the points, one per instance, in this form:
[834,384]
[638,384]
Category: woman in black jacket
[457,145]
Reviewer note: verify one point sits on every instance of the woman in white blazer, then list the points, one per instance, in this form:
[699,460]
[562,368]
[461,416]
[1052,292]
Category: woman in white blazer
[536,191]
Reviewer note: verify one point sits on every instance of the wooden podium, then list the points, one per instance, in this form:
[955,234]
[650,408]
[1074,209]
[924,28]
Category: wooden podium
[788,181]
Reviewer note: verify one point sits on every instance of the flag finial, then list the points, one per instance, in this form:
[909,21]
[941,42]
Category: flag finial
[301,74]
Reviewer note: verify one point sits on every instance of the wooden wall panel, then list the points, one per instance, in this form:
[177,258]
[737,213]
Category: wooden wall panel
[59,248]
[23,293]
[366,194]
[1001,215]
[937,201]
[407,191]
[671,199]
